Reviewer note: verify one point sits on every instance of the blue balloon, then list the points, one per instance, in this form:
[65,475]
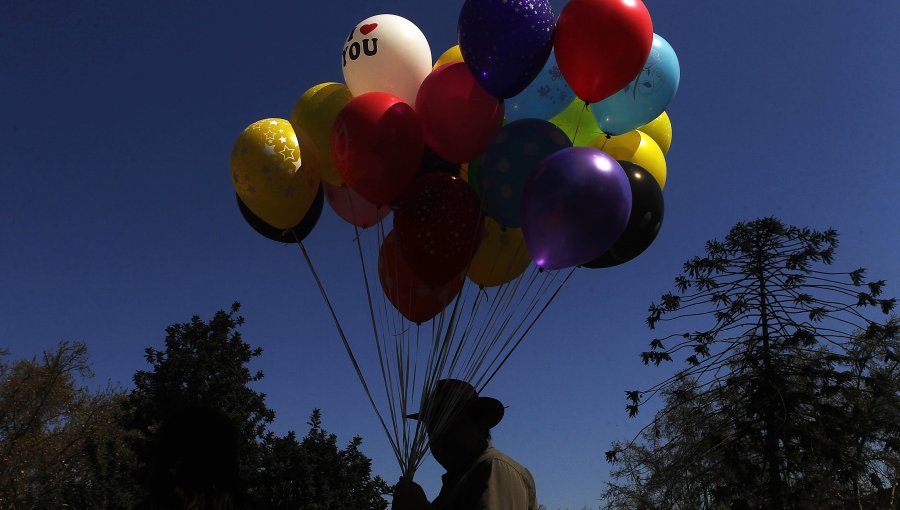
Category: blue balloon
[646,97]
[576,205]
[545,97]
[505,43]
[509,161]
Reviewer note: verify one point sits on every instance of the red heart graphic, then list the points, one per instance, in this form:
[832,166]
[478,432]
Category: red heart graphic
[365,29]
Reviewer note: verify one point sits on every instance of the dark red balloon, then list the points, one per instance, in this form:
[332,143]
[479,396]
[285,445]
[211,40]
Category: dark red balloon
[438,223]
[417,300]
[459,118]
[377,146]
[601,45]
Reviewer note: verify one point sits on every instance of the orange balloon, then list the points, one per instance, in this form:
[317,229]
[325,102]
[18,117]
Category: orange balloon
[501,257]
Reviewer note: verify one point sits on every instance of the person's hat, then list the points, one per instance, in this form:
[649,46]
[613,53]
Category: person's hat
[463,398]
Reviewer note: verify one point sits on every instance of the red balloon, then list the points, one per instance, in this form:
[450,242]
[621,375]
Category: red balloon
[353,208]
[416,300]
[438,222]
[459,118]
[601,45]
[377,145]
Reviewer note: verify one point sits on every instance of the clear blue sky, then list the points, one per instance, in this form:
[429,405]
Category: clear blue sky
[117,215]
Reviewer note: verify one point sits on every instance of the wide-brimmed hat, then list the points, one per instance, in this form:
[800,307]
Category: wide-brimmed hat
[451,397]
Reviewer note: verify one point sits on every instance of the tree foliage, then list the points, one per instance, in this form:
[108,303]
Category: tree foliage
[315,474]
[781,403]
[61,443]
[191,421]
[203,365]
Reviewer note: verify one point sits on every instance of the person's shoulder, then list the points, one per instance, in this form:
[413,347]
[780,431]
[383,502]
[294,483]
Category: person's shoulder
[495,457]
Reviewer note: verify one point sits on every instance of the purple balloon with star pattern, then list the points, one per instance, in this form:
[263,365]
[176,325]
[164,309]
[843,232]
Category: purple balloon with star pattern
[575,206]
[506,43]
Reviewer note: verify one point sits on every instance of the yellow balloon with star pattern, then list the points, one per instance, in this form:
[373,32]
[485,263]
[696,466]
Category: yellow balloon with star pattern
[501,257]
[269,175]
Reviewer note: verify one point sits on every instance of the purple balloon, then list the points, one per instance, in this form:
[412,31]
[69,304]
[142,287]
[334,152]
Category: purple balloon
[575,206]
[505,43]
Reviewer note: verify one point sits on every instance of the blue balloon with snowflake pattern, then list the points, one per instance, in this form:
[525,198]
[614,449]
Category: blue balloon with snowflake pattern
[646,96]
[545,97]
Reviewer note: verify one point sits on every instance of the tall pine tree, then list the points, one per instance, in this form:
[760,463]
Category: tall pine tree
[760,418]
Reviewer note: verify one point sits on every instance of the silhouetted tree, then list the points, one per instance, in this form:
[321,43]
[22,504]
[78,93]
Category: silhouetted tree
[204,366]
[314,474]
[873,398]
[762,416]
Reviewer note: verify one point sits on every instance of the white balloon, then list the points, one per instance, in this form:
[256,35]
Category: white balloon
[386,53]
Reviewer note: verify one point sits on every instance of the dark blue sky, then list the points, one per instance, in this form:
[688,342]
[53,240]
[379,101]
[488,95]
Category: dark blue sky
[117,215]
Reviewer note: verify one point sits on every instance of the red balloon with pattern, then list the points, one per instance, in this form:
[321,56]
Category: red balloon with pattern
[438,224]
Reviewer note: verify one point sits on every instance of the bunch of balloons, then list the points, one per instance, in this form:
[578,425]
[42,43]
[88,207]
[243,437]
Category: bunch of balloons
[535,139]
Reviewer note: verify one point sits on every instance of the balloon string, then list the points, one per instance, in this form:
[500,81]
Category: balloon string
[337,324]
[526,313]
[604,142]
[501,330]
[578,124]
[385,370]
[524,333]
[522,308]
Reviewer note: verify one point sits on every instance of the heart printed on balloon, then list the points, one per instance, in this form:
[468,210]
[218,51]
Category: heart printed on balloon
[386,53]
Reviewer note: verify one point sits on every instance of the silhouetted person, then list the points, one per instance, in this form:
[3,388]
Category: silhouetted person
[479,477]
[196,463]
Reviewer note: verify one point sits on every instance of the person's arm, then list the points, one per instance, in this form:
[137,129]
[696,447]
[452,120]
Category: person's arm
[408,495]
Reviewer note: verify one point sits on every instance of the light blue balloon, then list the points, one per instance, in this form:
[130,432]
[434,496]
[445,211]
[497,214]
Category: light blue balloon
[645,97]
[546,96]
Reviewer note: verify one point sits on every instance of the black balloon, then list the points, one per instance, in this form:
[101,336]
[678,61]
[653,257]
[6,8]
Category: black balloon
[431,162]
[301,230]
[646,218]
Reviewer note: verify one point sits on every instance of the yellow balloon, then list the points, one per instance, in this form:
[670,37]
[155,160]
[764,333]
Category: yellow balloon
[269,174]
[313,117]
[452,55]
[637,148]
[501,257]
[578,123]
[660,130]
